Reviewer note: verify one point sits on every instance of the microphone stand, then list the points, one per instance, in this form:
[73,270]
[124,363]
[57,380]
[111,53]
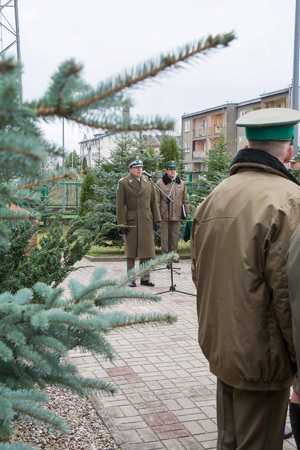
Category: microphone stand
[170,265]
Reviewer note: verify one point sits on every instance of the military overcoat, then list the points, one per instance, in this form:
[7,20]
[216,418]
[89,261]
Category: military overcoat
[136,206]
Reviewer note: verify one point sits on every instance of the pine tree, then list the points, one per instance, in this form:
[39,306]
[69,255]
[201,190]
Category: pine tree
[84,168]
[51,262]
[38,325]
[218,157]
[87,193]
[218,161]
[73,161]
[169,150]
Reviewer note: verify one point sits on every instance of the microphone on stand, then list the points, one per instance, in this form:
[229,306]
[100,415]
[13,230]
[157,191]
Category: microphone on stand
[147,174]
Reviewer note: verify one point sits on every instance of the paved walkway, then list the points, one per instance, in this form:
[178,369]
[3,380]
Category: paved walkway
[166,396]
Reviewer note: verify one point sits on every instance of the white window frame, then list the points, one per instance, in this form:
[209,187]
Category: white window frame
[186,147]
[187,126]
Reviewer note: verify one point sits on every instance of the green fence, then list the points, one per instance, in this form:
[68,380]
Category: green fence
[66,192]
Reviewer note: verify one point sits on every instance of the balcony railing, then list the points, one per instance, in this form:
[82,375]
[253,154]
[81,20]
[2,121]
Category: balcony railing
[198,154]
[207,131]
[201,131]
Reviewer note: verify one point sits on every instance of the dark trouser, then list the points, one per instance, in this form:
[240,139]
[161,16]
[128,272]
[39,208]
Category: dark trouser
[174,234]
[131,264]
[295,413]
[250,420]
[295,422]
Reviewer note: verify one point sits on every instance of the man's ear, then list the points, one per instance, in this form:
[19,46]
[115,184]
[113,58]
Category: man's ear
[289,154]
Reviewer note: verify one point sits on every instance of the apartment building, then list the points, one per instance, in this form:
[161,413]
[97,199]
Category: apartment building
[200,128]
[101,145]
[97,147]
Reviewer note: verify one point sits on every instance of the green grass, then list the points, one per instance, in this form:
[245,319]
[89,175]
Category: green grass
[118,252]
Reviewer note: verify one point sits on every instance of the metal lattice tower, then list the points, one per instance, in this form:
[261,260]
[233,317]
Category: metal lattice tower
[9,31]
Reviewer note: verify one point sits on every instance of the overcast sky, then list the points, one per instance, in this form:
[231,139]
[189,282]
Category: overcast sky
[107,36]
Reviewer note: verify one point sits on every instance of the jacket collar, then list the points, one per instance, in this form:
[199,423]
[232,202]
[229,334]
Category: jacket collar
[252,157]
[167,180]
[137,185]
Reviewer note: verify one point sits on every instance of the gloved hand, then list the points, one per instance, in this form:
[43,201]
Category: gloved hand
[156,226]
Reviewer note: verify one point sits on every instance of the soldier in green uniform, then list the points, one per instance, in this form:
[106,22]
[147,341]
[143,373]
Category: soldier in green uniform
[137,208]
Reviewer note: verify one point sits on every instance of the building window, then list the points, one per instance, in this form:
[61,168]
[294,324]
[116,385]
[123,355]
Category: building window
[186,147]
[187,126]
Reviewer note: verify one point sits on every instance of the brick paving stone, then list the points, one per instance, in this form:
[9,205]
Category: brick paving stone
[135,398]
[209,425]
[129,388]
[101,374]
[115,411]
[153,375]
[132,437]
[147,435]
[152,446]
[187,412]
[127,426]
[173,433]
[169,393]
[152,419]
[154,386]
[161,372]
[209,445]
[194,427]
[88,360]
[184,419]
[152,409]
[190,443]
[172,405]
[174,444]
[210,411]
[167,417]
[129,411]
[138,368]
[118,371]
[190,392]
[88,374]
[185,402]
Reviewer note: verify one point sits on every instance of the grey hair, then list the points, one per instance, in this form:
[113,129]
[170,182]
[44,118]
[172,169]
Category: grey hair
[276,148]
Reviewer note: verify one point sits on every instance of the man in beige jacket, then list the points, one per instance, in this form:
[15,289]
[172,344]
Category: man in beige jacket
[173,205]
[240,237]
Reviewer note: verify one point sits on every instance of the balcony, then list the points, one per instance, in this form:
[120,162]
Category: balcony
[197,154]
[214,129]
[200,131]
